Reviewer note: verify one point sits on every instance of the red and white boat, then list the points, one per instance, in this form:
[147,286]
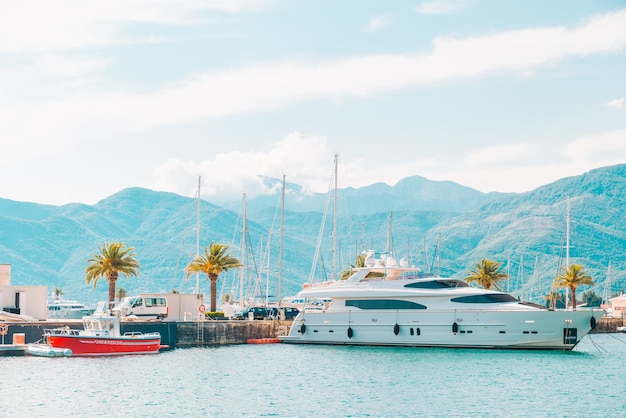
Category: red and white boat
[101,337]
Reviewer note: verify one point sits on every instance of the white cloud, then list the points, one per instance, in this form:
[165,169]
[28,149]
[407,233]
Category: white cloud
[61,65]
[602,149]
[307,161]
[377,23]
[440,7]
[69,24]
[304,160]
[267,86]
[615,104]
[499,155]
[537,165]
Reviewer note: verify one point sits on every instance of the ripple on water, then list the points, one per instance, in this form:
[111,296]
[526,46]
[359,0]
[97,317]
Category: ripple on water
[275,380]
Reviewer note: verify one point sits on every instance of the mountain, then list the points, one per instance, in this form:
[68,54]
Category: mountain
[440,226]
[440,196]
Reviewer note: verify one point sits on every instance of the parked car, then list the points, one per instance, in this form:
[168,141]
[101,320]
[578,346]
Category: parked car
[289,311]
[259,312]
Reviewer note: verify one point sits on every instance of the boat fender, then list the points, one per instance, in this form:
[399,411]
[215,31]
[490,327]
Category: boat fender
[350,333]
[593,323]
[396,329]
[455,327]
[302,329]
[4,328]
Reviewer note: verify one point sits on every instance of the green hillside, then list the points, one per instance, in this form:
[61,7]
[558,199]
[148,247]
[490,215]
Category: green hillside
[440,226]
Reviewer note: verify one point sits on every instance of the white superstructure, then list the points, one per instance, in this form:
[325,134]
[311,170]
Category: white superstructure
[394,305]
[67,309]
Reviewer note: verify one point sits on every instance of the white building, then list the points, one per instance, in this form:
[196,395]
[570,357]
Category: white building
[26,301]
[618,306]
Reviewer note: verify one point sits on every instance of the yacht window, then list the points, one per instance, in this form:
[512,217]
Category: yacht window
[486,298]
[383,304]
[437,284]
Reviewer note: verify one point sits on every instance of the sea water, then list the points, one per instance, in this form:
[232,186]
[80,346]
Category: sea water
[281,380]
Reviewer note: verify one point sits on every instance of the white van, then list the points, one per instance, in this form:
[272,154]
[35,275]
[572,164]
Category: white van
[143,307]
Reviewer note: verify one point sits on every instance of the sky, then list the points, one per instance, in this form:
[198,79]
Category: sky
[500,96]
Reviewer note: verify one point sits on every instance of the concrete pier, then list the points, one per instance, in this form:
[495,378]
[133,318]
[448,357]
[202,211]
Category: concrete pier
[173,334]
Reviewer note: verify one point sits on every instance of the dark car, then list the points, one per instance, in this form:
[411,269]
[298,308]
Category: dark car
[258,312]
[290,312]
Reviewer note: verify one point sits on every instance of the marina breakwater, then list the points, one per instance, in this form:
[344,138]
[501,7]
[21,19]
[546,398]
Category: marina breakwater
[173,334]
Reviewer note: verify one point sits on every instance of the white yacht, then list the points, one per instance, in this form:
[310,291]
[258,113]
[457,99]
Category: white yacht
[67,309]
[389,304]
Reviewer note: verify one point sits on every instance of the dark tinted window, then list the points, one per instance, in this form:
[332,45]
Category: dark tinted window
[384,304]
[488,298]
[437,284]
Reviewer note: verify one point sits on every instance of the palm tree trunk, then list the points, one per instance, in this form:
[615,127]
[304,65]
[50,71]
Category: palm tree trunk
[573,293]
[112,281]
[213,294]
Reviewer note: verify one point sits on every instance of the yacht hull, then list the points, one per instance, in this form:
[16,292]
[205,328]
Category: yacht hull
[515,329]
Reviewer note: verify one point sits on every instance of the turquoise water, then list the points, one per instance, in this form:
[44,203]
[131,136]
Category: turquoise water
[280,380]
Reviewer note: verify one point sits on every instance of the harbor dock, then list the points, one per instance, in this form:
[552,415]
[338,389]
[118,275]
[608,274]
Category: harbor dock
[179,334]
[184,334]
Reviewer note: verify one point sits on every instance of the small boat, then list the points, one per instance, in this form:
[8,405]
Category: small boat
[67,309]
[621,329]
[101,337]
[44,350]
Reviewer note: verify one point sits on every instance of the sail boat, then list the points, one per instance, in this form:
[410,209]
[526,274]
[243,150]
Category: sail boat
[318,247]
[606,294]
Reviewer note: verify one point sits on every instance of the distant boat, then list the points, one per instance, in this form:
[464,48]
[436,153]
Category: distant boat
[101,337]
[67,309]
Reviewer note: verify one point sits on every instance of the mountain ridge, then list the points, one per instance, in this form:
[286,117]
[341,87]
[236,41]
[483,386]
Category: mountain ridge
[441,226]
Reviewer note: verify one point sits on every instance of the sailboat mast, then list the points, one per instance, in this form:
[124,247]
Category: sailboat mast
[567,231]
[439,255]
[243,249]
[334,271]
[280,251]
[198,234]
[389,234]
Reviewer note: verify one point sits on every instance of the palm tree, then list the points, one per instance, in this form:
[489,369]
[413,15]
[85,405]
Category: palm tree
[120,293]
[487,274]
[57,293]
[360,262]
[571,277]
[114,258]
[591,299]
[214,261]
[553,297]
